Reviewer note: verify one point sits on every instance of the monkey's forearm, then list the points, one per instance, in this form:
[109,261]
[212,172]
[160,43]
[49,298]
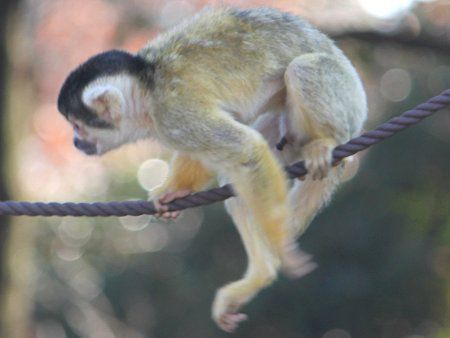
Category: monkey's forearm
[187,174]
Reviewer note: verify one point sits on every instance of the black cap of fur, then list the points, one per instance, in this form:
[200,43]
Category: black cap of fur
[104,64]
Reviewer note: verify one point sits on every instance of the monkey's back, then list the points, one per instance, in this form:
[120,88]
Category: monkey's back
[231,50]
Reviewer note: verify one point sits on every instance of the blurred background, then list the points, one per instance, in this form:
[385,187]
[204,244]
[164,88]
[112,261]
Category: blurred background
[383,245]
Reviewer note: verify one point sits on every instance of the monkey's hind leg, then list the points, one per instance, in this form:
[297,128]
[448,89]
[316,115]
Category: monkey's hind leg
[326,106]
[261,270]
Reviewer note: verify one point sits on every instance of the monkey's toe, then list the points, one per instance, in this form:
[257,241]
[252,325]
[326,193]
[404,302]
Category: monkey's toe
[296,263]
[317,168]
[318,155]
[226,304]
[230,321]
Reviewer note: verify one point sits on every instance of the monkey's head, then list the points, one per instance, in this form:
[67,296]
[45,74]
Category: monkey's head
[104,101]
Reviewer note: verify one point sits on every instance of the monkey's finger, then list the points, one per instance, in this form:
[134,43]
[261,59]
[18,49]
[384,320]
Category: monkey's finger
[159,207]
[163,216]
[161,211]
[167,215]
[158,216]
[174,214]
[174,195]
[163,208]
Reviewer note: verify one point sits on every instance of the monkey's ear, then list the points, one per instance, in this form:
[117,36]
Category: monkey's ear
[106,100]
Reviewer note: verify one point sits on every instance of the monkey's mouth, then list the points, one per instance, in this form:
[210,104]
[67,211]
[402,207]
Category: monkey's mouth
[85,146]
[90,151]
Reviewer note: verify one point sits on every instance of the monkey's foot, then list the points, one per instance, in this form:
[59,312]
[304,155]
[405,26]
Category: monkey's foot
[296,263]
[318,157]
[225,308]
[230,321]
[162,201]
[229,299]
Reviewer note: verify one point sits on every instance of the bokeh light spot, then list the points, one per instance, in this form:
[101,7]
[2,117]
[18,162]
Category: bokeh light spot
[395,84]
[152,173]
[384,8]
[185,226]
[87,283]
[67,253]
[154,238]
[75,232]
[135,223]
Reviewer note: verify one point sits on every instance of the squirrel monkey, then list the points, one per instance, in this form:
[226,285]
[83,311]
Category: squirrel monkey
[220,90]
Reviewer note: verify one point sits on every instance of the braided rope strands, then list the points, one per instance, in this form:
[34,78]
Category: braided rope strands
[135,208]
[382,132]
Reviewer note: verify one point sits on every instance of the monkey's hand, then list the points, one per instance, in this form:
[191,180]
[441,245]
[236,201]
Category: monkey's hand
[161,203]
[318,157]
[186,176]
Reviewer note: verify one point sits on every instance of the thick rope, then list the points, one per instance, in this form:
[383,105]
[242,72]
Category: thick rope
[142,207]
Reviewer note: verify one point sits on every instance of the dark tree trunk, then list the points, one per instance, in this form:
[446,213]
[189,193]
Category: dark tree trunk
[6,9]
